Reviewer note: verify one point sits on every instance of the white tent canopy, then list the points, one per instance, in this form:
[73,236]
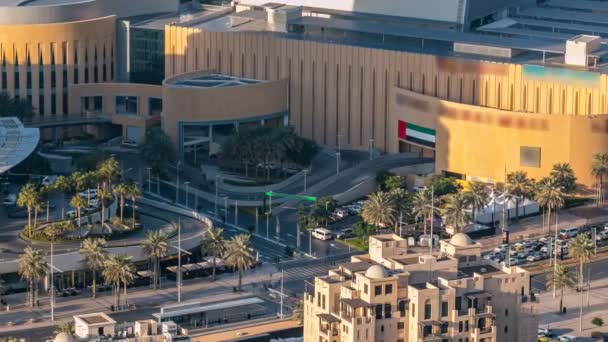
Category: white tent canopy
[493,212]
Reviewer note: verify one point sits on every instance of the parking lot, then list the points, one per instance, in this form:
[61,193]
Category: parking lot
[533,250]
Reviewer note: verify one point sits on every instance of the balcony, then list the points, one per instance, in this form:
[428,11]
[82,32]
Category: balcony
[329,332]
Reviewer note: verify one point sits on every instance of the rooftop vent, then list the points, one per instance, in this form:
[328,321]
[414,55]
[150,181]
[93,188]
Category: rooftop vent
[579,50]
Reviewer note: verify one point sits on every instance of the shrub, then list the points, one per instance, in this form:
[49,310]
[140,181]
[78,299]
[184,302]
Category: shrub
[597,334]
[597,321]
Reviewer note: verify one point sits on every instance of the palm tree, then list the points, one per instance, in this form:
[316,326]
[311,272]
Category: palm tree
[133,193]
[122,190]
[32,267]
[95,256]
[78,202]
[403,203]
[66,327]
[45,194]
[108,170]
[599,169]
[214,243]
[119,269]
[519,185]
[83,181]
[560,279]
[454,211]
[239,255]
[477,196]
[582,249]
[422,206]
[156,246]
[379,210]
[28,197]
[62,185]
[105,197]
[549,195]
[565,177]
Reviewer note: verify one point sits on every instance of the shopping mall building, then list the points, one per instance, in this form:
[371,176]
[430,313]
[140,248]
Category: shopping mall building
[480,86]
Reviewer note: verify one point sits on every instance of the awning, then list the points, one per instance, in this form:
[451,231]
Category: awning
[478,295]
[328,318]
[356,303]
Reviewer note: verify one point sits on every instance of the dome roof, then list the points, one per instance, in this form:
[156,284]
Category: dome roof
[461,240]
[376,272]
[63,337]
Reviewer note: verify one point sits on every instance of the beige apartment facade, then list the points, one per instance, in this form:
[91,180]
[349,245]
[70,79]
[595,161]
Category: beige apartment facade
[392,295]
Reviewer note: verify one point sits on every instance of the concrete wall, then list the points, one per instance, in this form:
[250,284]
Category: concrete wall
[58,43]
[480,142]
[338,89]
[197,104]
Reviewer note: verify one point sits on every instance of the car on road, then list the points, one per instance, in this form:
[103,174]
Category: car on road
[322,234]
[48,180]
[566,338]
[340,213]
[130,143]
[345,234]
[90,192]
[70,214]
[545,332]
[534,257]
[9,200]
[94,203]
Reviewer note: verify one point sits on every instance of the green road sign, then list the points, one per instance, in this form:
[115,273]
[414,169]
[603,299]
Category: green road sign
[290,196]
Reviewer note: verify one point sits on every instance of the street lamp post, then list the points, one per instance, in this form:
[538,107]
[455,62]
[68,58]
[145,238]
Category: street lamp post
[236,212]
[337,163]
[267,225]
[187,194]
[177,183]
[305,172]
[179,260]
[149,179]
[217,178]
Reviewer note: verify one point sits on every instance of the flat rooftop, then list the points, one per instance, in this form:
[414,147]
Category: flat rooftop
[15,3]
[485,270]
[96,318]
[214,81]
[542,46]
[16,142]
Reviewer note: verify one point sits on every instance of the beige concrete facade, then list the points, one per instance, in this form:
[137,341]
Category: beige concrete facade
[144,117]
[480,142]
[452,296]
[41,61]
[350,92]
[231,104]
[342,89]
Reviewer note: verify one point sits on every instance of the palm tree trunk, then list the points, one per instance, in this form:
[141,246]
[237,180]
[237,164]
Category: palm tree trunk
[35,293]
[155,273]
[549,220]
[122,205]
[133,213]
[94,284]
[240,279]
[47,211]
[424,223]
[35,217]
[116,296]
[79,219]
[214,265]
[125,295]
[29,220]
[580,286]
[31,291]
[561,300]
[103,214]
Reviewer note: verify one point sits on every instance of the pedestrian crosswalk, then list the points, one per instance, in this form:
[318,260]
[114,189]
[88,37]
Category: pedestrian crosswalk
[306,272]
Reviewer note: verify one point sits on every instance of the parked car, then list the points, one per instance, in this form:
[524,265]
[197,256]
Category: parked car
[130,143]
[345,234]
[86,193]
[566,338]
[502,248]
[70,214]
[94,203]
[322,234]
[341,213]
[568,233]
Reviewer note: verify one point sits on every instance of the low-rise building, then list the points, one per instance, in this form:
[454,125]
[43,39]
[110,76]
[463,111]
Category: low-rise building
[392,295]
[94,325]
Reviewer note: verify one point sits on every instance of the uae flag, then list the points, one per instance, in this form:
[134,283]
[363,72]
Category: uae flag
[415,134]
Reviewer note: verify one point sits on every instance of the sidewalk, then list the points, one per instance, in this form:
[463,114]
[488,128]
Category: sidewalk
[145,299]
[568,324]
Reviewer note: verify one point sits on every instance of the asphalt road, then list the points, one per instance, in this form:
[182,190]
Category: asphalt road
[599,270]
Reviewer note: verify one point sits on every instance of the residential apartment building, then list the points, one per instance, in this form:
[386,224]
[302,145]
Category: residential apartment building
[391,294]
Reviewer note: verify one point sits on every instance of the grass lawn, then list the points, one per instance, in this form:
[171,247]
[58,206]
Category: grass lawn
[358,243]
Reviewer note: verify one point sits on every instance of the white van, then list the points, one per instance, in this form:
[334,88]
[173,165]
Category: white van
[568,233]
[322,234]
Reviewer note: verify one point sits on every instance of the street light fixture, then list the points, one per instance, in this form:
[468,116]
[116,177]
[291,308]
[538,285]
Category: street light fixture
[187,194]
[179,260]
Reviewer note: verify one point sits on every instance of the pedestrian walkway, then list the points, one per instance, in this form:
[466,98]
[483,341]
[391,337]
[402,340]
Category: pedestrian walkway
[594,305]
[146,300]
